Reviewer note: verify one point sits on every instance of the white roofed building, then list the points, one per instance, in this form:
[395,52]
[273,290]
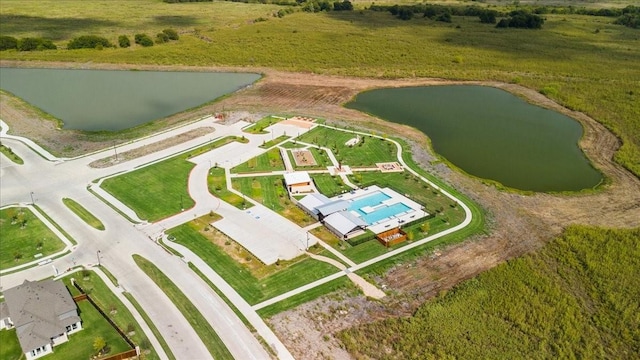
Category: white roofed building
[298,182]
[344,224]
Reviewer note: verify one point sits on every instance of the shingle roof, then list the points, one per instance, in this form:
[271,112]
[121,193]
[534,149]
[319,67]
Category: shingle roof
[35,309]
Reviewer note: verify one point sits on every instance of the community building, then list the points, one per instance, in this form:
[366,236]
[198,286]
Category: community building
[43,314]
[380,210]
[298,182]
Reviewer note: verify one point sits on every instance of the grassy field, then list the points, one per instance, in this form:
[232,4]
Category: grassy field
[259,126]
[23,236]
[83,214]
[253,280]
[6,151]
[586,63]
[576,298]
[108,302]
[366,153]
[218,187]
[10,349]
[329,185]
[270,191]
[269,161]
[206,333]
[320,156]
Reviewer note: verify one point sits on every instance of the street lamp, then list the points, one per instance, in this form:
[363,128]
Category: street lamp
[114,150]
[307,249]
[98,256]
[32,202]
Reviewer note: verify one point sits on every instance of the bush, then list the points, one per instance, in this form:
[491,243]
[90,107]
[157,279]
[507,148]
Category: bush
[8,42]
[143,40]
[522,19]
[172,34]
[123,41]
[162,38]
[35,44]
[88,42]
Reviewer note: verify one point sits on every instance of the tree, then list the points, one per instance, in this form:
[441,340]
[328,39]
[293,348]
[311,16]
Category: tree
[99,344]
[8,42]
[33,44]
[123,41]
[488,16]
[88,42]
[172,34]
[162,38]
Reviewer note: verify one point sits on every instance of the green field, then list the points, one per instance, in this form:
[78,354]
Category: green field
[366,153]
[254,281]
[576,298]
[269,161]
[8,152]
[217,182]
[108,302]
[329,185]
[270,191]
[83,214]
[10,349]
[206,333]
[23,236]
[320,156]
[259,126]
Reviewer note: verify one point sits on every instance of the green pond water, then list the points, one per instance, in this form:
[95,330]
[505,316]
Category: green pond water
[96,100]
[490,133]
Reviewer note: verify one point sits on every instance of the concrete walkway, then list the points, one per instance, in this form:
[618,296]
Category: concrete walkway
[367,288]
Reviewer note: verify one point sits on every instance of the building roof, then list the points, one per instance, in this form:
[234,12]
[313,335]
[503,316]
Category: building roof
[312,201]
[36,309]
[332,207]
[344,222]
[296,177]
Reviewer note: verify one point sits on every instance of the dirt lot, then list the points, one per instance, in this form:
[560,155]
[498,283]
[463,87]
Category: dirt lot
[516,223]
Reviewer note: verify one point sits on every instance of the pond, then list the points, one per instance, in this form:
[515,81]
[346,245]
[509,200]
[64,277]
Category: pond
[491,134]
[95,100]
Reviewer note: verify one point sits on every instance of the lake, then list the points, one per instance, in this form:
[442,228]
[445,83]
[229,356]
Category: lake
[491,134]
[95,100]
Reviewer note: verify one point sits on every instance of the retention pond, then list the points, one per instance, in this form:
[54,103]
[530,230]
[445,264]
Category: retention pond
[491,134]
[95,100]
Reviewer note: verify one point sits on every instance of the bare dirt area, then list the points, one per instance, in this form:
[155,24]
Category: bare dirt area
[516,223]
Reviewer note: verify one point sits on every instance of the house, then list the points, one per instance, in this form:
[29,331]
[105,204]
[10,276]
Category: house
[43,313]
[298,182]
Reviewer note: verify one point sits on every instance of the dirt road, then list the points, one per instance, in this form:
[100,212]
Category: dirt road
[516,223]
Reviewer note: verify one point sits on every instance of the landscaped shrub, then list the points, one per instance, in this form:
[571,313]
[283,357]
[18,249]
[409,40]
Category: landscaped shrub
[8,42]
[183,1]
[172,34]
[123,41]
[35,44]
[522,19]
[143,40]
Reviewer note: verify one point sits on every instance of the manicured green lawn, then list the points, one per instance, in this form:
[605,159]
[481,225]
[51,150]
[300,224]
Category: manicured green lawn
[269,161]
[278,140]
[329,185]
[259,126]
[270,191]
[160,190]
[83,213]
[275,279]
[9,346]
[10,154]
[100,293]
[206,333]
[80,344]
[366,153]
[23,236]
[218,187]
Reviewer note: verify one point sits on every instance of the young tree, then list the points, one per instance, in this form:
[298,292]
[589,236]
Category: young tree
[99,344]
[8,42]
[123,41]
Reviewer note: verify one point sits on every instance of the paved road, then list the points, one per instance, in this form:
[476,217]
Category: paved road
[50,180]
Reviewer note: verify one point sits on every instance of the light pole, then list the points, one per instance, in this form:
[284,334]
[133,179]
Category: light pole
[307,249]
[114,150]
[98,256]
[32,202]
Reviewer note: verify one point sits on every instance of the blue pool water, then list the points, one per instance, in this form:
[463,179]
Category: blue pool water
[379,214]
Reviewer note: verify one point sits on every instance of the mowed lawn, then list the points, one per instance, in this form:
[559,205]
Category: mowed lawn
[23,236]
[155,191]
[329,185]
[267,282]
[366,153]
[270,191]
[217,182]
[269,161]
[9,346]
[108,302]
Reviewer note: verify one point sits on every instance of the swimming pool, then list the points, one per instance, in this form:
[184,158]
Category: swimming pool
[371,208]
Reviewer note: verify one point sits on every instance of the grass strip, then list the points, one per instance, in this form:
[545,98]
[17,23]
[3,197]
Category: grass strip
[10,154]
[275,141]
[211,340]
[83,213]
[151,325]
[113,207]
